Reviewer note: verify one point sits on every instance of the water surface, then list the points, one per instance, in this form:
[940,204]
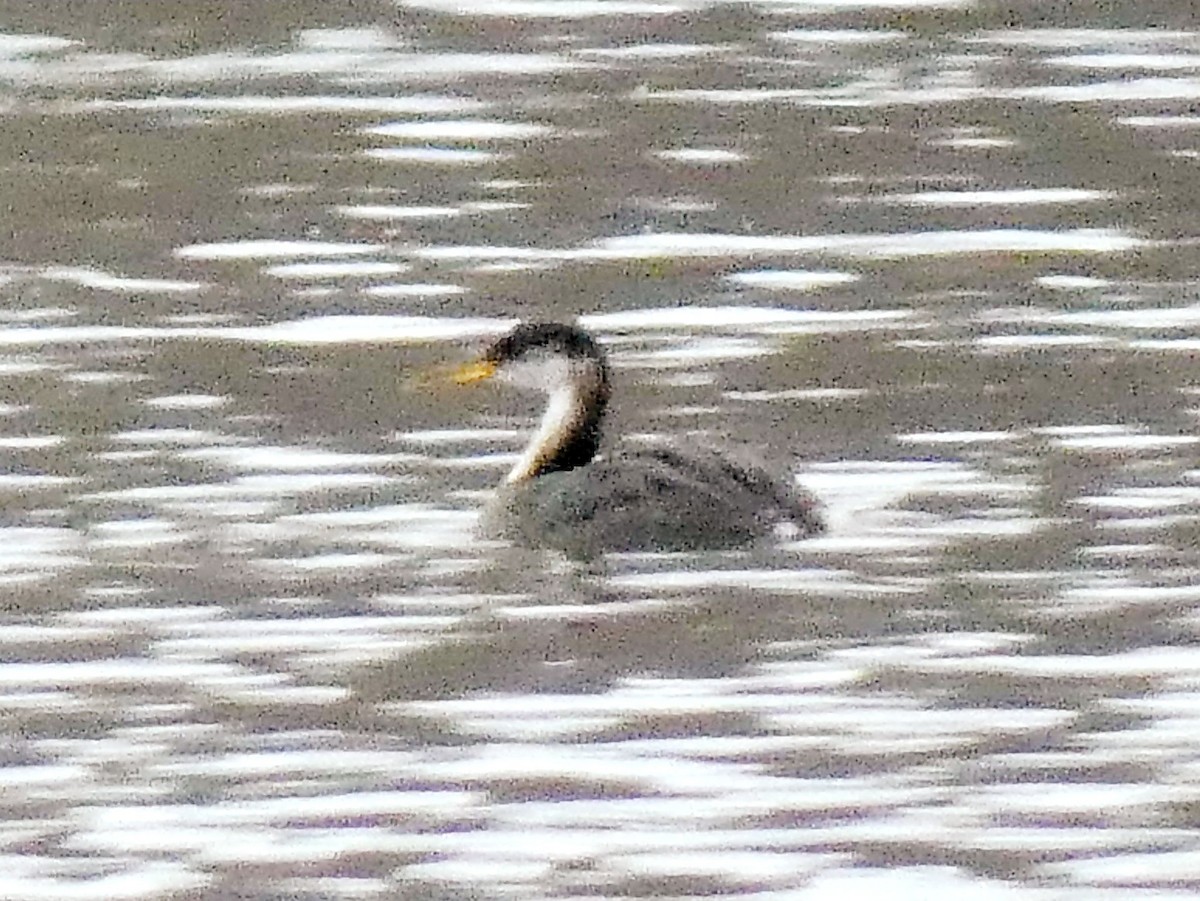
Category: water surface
[932,260]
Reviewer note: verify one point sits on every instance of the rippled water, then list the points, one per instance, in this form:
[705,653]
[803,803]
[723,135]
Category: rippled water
[935,259]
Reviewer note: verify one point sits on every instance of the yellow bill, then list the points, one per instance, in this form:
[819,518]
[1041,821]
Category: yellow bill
[476,371]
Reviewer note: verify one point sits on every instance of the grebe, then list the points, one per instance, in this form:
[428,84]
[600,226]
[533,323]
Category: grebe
[560,494]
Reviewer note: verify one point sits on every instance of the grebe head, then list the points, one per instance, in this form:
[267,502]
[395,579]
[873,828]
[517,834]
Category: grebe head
[567,364]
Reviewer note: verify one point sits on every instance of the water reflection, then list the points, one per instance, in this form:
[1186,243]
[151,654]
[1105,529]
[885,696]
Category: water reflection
[932,265]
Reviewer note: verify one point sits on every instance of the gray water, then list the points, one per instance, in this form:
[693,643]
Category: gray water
[933,260]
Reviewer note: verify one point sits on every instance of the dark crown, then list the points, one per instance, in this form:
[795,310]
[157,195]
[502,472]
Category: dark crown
[554,337]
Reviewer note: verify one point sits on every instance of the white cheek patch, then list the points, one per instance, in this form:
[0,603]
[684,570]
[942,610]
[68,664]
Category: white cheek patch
[538,371]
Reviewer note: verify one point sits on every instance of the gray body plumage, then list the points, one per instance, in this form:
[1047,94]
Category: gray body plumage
[648,499]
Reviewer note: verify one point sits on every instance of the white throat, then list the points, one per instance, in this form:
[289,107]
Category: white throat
[561,413]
